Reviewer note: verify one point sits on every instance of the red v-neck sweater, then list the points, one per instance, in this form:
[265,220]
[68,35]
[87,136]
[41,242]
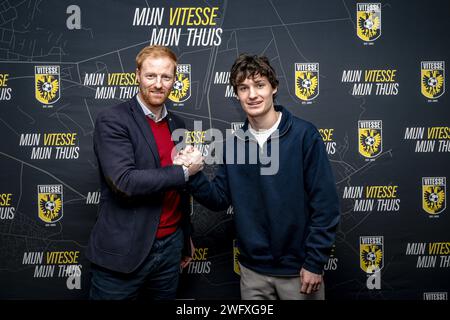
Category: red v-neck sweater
[171,214]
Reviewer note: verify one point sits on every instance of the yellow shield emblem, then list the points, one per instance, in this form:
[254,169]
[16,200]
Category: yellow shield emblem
[434,194]
[370,139]
[50,203]
[47,84]
[236,258]
[181,90]
[432,79]
[371,254]
[306,81]
[368,17]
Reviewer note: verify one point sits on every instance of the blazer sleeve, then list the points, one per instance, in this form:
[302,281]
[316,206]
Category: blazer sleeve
[116,156]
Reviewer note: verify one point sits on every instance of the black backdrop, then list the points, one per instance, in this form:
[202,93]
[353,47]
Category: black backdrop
[399,120]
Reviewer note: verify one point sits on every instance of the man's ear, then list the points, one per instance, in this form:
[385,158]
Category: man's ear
[138,73]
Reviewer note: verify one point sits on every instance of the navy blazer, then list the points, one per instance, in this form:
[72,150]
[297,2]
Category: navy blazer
[132,188]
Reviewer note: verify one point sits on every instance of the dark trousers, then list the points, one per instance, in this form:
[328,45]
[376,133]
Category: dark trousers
[156,278]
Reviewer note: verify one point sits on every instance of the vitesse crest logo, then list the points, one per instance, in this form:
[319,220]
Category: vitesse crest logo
[370,138]
[50,202]
[371,254]
[47,84]
[236,258]
[434,195]
[432,79]
[181,90]
[306,81]
[368,17]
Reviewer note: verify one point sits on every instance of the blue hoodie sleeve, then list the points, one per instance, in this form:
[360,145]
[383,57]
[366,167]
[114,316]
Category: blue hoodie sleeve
[215,194]
[324,217]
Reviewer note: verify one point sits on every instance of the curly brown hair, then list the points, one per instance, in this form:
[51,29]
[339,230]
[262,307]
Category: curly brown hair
[249,66]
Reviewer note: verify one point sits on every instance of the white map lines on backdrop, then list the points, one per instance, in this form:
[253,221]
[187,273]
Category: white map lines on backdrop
[345,169]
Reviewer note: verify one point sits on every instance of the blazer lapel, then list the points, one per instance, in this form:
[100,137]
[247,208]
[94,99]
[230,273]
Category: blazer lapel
[143,125]
[175,124]
[172,123]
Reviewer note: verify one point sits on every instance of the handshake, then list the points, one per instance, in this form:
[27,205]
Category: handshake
[191,158]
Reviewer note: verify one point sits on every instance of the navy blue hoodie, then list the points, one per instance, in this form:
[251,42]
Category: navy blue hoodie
[284,221]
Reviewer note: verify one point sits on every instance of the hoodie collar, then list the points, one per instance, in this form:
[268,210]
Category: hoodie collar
[283,127]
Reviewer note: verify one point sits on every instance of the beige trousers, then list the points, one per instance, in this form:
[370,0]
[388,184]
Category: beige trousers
[256,286]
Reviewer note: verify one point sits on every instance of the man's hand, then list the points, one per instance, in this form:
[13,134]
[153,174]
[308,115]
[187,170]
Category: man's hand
[191,158]
[187,259]
[309,282]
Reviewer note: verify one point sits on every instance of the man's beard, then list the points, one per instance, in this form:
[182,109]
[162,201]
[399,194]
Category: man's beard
[153,102]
